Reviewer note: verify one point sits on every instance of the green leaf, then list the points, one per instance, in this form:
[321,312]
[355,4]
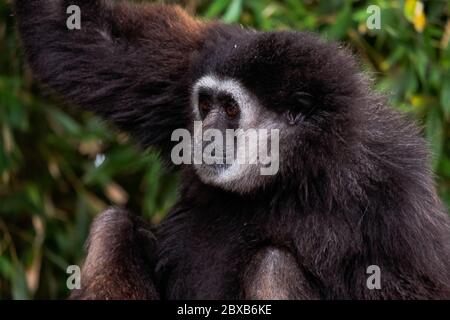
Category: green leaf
[420,62]
[445,96]
[6,268]
[19,284]
[343,21]
[65,121]
[435,133]
[216,8]
[233,11]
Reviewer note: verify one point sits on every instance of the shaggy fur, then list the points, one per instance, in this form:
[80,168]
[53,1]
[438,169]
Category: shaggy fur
[354,187]
[120,259]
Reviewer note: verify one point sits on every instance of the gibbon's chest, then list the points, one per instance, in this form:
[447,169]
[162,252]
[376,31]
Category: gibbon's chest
[268,273]
[274,274]
[229,259]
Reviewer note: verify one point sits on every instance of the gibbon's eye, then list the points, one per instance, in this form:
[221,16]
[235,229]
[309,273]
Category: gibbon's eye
[231,110]
[302,99]
[204,104]
[229,105]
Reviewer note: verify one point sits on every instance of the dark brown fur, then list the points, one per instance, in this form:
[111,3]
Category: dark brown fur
[120,260]
[354,187]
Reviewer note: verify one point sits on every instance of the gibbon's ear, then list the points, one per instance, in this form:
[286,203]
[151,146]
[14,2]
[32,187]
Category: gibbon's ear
[127,63]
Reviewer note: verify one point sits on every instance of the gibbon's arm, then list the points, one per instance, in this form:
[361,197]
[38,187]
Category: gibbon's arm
[127,63]
[120,259]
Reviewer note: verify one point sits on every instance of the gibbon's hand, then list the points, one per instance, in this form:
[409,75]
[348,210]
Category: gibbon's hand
[120,259]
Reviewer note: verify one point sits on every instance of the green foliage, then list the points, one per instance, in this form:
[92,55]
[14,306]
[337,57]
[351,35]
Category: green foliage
[52,177]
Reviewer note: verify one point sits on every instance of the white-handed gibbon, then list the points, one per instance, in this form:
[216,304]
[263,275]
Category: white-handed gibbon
[353,189]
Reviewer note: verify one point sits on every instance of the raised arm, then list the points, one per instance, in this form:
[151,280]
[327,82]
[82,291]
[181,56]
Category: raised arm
[128,62]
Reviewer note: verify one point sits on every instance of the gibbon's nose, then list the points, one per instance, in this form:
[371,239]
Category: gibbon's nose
[212,119]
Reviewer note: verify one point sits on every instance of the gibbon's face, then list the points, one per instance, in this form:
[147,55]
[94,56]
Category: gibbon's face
[289,82]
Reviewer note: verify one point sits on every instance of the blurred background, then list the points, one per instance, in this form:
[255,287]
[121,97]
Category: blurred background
[60,166]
